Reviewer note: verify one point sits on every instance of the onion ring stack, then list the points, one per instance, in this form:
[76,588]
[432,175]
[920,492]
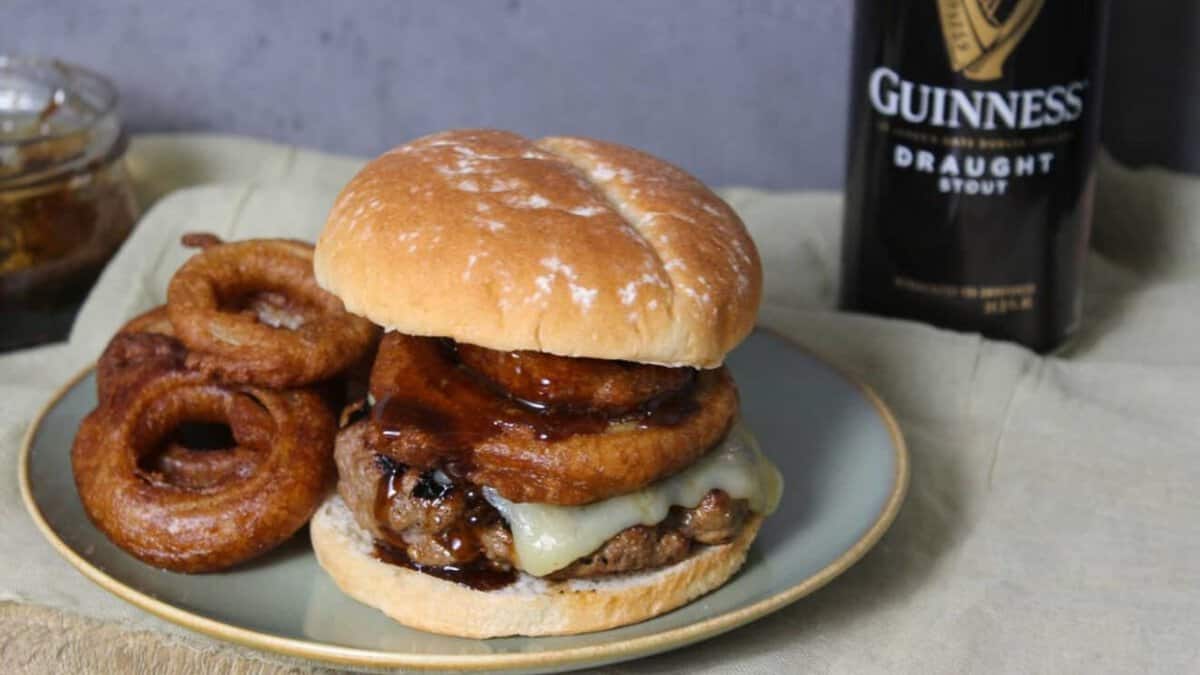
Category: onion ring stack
[212,440]
[434,412]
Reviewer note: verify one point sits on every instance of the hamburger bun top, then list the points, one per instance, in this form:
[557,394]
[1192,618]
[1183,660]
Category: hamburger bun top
[563,245]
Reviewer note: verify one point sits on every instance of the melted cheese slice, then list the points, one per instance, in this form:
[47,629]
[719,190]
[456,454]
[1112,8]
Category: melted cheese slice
[548,537]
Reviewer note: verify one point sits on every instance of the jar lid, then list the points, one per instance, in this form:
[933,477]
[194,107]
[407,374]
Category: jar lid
[55,117]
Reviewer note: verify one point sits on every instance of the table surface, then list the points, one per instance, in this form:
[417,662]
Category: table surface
[1052,524]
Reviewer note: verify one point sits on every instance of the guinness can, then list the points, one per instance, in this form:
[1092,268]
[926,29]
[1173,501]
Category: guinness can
[970,172]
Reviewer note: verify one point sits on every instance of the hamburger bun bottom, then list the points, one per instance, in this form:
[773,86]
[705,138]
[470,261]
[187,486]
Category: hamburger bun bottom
[530,606]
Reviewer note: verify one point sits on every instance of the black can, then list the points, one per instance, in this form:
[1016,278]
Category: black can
[971,163]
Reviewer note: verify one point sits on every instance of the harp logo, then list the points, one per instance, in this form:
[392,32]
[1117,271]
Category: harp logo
[981,34]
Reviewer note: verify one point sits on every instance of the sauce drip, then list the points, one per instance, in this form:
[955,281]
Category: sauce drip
[470,567]
[668,412]
[420,385]
[388,488]
[481,576]
[461,540]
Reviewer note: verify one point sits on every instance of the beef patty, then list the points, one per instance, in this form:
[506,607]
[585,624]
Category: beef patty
[440,522]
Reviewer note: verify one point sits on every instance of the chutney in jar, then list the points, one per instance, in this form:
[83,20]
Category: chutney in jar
[66,203]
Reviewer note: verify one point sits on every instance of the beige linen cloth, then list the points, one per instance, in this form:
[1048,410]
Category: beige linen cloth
[1052,525]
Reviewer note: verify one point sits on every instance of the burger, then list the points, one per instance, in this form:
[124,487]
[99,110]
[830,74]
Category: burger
[550,443]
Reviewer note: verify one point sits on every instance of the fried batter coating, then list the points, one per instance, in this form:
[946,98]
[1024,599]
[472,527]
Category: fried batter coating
[612,387]
[202,525]
[252,312]
[430,413]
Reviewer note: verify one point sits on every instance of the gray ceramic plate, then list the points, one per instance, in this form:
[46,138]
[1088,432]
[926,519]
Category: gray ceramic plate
[841,454]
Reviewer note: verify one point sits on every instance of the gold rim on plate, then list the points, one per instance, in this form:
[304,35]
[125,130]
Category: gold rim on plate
[615,651]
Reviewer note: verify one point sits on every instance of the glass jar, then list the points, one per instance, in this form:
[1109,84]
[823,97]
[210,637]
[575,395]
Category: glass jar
[66,202]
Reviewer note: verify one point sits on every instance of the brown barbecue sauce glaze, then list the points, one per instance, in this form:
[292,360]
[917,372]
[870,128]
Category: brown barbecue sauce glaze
[458,409]
[470,567]
[477,576]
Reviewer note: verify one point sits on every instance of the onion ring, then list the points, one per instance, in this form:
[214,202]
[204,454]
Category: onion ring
[251,312]
[613,387]
[351,386]
[199,529]
[625,457]
[145,343]
[144,347]
[449,420]
[202,455]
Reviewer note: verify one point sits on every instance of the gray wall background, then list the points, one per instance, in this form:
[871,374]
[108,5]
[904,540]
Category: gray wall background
[749,92]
